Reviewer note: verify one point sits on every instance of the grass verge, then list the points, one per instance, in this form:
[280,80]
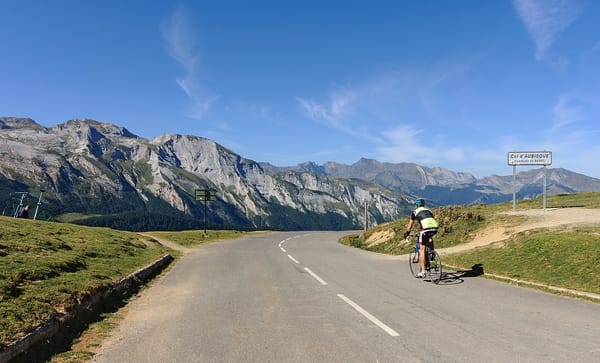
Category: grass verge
[47,268]
[566,258]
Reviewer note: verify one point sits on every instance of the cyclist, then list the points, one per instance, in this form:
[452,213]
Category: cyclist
[429,227]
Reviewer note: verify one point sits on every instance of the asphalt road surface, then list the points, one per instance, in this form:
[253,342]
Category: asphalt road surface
[302,297]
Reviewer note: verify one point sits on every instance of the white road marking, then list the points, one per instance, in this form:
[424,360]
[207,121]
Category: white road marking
[356,307]
[315,276]
[373,319]
[293,259]
[281,244]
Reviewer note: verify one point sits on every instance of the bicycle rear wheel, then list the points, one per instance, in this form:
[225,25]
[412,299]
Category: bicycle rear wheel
[413,262]
[435,267]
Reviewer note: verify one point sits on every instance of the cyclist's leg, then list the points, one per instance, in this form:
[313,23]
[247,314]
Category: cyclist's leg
[428,237]
[421,251]
[430,240]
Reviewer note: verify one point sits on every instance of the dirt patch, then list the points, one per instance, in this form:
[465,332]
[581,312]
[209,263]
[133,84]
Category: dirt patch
[535,218]
[167,243]
[380,237]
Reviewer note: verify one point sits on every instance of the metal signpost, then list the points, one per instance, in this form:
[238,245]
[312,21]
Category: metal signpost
[39,203]
[516,158]
[205,195]
[20,206]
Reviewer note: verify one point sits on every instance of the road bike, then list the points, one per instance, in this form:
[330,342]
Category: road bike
[433,262]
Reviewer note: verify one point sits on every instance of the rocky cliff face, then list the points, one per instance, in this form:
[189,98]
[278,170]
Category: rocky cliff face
[93,167]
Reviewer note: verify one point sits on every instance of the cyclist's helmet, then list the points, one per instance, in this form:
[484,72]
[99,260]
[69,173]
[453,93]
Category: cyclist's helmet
[420,202]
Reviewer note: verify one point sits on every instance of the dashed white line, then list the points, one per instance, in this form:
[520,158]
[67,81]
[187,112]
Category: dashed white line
[356,307]
[316,277]
[366,314]
[293,259]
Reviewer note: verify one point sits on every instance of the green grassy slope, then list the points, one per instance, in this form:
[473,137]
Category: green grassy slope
[47,267]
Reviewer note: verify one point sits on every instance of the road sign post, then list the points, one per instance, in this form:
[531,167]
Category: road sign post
[205,195]
[516,158]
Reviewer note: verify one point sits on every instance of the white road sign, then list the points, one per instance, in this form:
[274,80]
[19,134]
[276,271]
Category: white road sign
[530,158]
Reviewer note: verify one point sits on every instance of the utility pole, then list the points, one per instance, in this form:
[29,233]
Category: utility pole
[205,202]
[366,217]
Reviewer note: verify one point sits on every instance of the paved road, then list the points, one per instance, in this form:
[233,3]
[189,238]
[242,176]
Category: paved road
[302,297]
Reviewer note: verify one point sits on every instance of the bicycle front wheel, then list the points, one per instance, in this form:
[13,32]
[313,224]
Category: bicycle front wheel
[435,267]
[413,262]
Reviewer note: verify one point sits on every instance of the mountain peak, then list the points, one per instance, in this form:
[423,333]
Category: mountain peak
[17,123]
[166,137]
[366,161]
[104,128]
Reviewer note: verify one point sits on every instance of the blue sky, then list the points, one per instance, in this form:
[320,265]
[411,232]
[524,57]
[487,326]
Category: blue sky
[455,84]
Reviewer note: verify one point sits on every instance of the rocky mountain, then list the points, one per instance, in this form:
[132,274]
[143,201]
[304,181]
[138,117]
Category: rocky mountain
[130,182]
[99,168]
[446,187]
[402,176]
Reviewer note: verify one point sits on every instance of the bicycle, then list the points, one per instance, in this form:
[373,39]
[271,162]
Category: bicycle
[433,262]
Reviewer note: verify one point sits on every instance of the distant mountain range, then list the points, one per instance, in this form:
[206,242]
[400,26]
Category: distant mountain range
[446,187]
[129,182]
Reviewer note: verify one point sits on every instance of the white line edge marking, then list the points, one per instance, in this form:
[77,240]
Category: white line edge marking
[283,249]
[373,319]
[293,259]
[323,282]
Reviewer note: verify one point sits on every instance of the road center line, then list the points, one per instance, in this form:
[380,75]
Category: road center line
[366,314]
[315,276]
[293,259]
[283,249]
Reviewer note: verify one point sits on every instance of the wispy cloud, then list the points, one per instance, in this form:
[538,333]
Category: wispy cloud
[574,131]
[181,46]
[407,143]
[363,109]
[567,111]
[402,146]
[590,55]
[545,20]
[334,113]
[265,114]
[391,95]
[375,111]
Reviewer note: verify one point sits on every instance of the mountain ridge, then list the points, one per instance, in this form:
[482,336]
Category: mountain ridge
[93,167]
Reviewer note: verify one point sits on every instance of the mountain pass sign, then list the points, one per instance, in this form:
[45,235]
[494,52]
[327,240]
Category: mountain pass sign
[530,158]
[516,158]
